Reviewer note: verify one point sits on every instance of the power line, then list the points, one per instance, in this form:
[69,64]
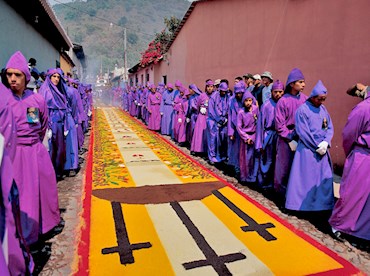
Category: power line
[103,19]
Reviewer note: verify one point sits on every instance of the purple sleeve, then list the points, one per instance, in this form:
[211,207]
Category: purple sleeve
[353,129]
[260,130]
[44,118]
[281,122]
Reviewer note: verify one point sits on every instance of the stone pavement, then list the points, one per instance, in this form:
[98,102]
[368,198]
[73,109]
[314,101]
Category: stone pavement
[70,191]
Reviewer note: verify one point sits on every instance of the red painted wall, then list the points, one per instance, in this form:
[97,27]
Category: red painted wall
[326,39]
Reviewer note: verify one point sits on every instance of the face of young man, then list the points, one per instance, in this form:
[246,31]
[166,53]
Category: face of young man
[248,102]
[55,78]
[239,96]
[277,94]
[318,100]
[298,85]
[210,89]
[16,80]
[266,81]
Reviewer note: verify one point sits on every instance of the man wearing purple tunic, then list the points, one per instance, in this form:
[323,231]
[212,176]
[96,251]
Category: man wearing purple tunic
[234,138]
[143,103]
[351,214]
[199,141]
[246,127]
[71,164]
[55,96]
[80,112]
[180,108]
[9,207]
[133,100]
[285,128]
[266,137]
[37,185]
[154,102]
[192,112]
[178,85]
[217,125]
[166,110]
[310,186]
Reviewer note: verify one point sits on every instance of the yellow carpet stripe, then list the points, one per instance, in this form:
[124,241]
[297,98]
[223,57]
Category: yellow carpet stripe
[283,256]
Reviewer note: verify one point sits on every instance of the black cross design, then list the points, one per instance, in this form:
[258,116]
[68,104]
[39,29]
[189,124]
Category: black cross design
[253,226]
[212,259]
[124,248]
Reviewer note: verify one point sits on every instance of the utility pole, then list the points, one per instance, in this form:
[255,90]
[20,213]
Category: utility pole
[124,55]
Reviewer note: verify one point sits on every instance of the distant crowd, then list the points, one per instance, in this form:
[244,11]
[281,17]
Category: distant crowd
[272,137]
[44,118]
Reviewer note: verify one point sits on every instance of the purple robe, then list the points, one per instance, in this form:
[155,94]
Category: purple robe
[167,110]
[33,170]
[199,140]
[81,117]
[246,127]
[144,105]
[217,127]
[351,212]
[192,114]
[310,186]
[10,202]
[154,102]
[180,108]
[133,103]
[233,145]
[55,98]
[266,138]
[285,127]
[71,138]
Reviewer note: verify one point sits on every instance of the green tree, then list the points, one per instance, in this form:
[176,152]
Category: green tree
[132,38]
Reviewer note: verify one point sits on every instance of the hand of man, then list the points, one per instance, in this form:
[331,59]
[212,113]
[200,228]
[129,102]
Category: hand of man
[49,133]
[293,145]
[203,110]
[179,120]
[66,132]
[188,120]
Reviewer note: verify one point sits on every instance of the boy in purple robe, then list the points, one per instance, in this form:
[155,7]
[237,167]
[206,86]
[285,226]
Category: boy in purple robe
[37,185]
[71,164]
[80,112]
[16,250]
[310,186]
[166,110]
[144,104]
[351,214]
[235,105]
[285,128]
[217,125]
[246,127]
[180,108]
[133,102]
[154,102]
[266,137]
[192,113]
[55,96]
[199,141]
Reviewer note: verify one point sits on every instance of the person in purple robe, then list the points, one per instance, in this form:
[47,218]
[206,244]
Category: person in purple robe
[166,110]
[56,99]
[71,165]
[310,185]
[133,100]
[199,143]
[266,137]
[246,127]
[37,184]
[180,108]
[73,85]
[143,103]
[192,113]
[235,105]
[285,127]
[154,102]
[351,214]
[19,261]
[217,125]
[178,86]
